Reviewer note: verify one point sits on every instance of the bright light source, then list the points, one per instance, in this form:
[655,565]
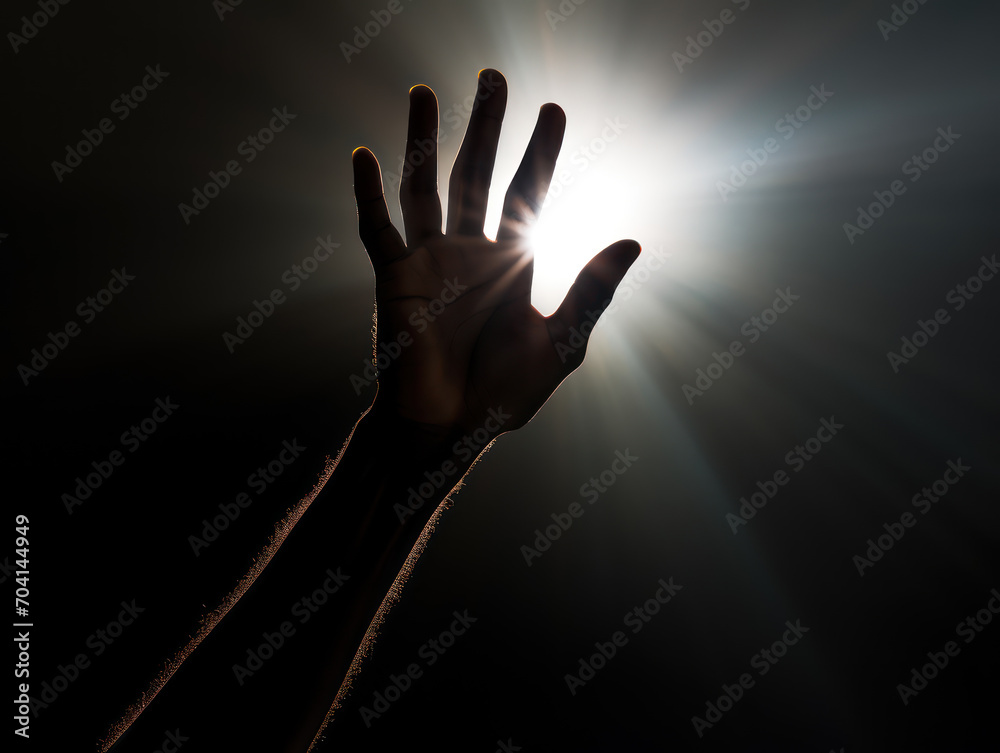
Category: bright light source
[572,228]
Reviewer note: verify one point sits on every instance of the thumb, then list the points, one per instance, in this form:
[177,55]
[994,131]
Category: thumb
[589,295]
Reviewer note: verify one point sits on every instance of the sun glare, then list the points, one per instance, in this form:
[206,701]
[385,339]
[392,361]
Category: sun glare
[573,226]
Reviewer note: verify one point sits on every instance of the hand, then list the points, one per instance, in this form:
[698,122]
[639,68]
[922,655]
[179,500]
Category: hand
[456,332]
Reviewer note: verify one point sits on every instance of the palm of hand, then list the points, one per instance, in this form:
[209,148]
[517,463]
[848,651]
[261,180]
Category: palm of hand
[457,336]
[467,337]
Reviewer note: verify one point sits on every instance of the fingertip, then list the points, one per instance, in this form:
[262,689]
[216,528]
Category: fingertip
[491,80]
[365,160]
[367,173]
[552,117]
[622,253]
[611,264]
[551,109]
[631,249]
[422,90]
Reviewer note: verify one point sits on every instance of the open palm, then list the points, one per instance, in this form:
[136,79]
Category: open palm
[457,335]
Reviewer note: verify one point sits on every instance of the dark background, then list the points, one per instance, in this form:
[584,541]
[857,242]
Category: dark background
[665,517]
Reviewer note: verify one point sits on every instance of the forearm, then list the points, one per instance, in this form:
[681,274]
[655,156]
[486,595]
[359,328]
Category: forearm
[364,524]
[324,577]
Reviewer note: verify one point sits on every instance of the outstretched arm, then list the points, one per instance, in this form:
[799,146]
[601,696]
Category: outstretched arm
[465,354]
[463,357]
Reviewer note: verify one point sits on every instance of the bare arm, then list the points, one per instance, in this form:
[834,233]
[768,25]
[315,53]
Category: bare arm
[465,358]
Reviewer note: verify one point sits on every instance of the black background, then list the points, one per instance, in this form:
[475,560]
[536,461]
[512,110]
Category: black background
[666,516]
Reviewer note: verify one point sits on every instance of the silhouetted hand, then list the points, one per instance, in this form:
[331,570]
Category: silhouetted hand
[456,332]
[457,339]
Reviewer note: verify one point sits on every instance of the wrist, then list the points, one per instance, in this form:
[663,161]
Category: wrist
[415,465]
